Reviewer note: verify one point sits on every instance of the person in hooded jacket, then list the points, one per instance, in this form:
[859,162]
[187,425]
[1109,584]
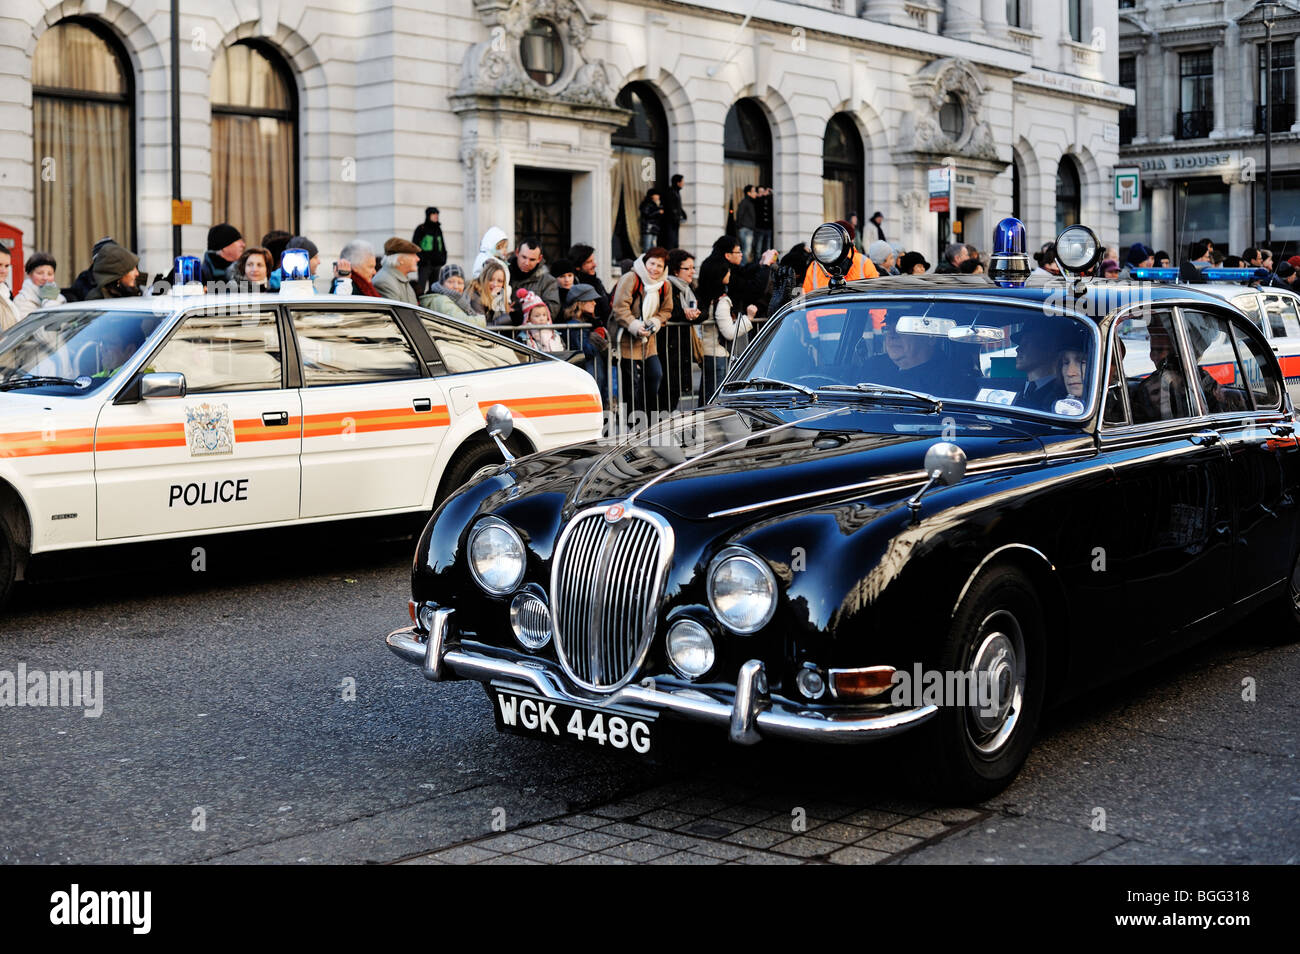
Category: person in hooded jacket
[642,304]
[495,244]
[433,250]
[116,271]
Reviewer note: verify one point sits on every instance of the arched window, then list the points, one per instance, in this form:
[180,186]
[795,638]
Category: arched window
[1068,194]
[747,151]
[84,138]
[641,153]
[254,141]
[842,165]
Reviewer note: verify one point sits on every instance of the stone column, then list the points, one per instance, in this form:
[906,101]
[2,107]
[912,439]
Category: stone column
[1169,66]
[1238,214]
[962,19]
[886,11]
[1161,218]
[1220,94]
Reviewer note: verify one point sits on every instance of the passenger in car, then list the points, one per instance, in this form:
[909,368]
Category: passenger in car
[1162,394]
[1038,348]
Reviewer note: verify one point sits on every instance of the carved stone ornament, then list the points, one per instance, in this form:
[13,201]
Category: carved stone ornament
[920,130]
[493,68]
[479,161]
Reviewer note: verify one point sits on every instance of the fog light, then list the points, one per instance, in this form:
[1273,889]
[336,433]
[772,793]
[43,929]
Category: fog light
[690,648]
[424,616]
[810,682]
[530,618]
[861,683]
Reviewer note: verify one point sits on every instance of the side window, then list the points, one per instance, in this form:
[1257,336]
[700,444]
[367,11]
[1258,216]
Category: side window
[1283,322]
[1217,373]
[1257,367]
[462,350]
[1153,368]
[353,347]
[1115,410]
[224,353]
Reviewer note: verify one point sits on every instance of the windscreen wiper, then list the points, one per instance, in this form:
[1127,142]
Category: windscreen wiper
[868,387]
[771,383]
[37,381]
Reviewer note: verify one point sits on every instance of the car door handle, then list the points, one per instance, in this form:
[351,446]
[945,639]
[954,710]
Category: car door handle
[421,405]
[1206,438]
[275,418]
[1283,429]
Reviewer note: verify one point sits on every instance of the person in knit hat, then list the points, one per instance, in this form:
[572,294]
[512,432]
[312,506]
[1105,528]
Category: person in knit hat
[399,269]
[536,313]
[881,254]
[447,296]
[116,272]
[225,245]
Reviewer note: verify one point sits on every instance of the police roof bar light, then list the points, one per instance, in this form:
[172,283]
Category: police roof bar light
[1154,274]
[1235,274]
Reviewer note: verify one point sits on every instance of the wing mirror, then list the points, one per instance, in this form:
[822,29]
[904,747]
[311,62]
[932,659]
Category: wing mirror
[162,384]
[500,425]
[945,464]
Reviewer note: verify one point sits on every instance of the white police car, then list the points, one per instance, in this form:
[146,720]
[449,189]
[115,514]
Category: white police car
[160,417]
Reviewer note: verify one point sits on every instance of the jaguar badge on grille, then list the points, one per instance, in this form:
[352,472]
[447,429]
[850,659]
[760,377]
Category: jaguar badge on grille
[614,513]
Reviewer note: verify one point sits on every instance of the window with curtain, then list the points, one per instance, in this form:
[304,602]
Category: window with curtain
[843,159]
[254,141]
[1068,194]
[1281,91]
[82,124]
[747,152]
[1074,12]
[1128,115]
[641,163]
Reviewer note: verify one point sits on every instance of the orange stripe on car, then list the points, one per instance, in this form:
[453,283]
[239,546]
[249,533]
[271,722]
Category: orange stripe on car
[548,406]
[77,440]
[362,422]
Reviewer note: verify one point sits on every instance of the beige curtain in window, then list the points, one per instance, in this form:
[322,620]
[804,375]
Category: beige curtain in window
[626,181]
[252,174]
[832,200]
[83,179]
[737,176]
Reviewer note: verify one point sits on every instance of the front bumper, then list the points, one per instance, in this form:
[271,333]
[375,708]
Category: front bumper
[751,715]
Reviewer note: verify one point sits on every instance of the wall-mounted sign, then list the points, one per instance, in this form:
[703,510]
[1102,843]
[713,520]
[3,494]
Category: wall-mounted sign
[1128,188]
[940,182]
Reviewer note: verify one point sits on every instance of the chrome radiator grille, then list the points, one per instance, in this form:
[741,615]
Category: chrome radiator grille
[606,581]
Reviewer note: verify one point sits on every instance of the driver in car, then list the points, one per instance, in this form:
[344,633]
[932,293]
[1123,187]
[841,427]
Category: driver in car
[916,362]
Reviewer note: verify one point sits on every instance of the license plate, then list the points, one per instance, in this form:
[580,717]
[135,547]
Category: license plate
[544,719]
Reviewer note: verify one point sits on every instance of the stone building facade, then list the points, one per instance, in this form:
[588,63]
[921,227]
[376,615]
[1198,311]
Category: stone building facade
[502,112]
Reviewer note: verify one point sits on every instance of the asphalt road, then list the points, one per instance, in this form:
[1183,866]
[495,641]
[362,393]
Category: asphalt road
[230,733]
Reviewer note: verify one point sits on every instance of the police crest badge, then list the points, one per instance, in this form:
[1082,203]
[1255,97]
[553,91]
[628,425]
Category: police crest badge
[208,430]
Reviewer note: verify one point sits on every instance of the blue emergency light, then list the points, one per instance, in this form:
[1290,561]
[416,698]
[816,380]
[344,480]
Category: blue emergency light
[295,264]
[1154,274]
[186,270]
[1009,264]
[1235,274]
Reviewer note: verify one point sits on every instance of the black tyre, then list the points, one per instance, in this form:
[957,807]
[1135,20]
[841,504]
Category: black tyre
[972,751]
[465,463]
[8,563]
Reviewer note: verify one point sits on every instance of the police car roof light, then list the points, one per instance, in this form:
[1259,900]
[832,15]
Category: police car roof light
[1009,264]
[1235,274]
[1154,274]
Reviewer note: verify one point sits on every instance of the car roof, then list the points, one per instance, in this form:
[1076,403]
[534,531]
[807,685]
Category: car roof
[1056,290]
[1228,290]
[174,303]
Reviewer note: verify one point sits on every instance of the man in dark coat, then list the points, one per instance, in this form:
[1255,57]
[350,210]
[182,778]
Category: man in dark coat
[674,215]
[225,245]
[115,271]
[583,258]
[433,250]
[528,272]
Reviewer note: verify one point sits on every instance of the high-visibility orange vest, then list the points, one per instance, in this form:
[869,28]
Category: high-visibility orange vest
[862,267]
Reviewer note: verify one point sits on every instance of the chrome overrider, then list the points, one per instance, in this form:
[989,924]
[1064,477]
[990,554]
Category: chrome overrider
[751,716]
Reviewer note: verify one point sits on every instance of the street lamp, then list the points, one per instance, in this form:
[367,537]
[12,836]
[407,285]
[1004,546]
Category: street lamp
[1268,12]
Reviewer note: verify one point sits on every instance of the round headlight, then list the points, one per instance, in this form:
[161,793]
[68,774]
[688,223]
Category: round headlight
[690,648]
[1077,249]
[530,618]
[742,590]
[496,556]
[830,244]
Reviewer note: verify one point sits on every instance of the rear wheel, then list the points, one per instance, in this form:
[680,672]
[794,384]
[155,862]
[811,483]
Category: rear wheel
[975,746]
[8,563]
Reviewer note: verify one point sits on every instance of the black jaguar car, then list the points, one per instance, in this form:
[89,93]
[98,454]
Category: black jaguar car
[914,505]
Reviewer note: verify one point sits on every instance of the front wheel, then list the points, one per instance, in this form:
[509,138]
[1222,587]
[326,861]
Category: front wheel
[8,563]
[993,665]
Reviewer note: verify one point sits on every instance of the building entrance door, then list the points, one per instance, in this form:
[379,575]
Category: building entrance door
[543,205]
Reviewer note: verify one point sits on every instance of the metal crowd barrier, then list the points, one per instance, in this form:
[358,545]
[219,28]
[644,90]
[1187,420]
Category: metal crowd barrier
[627,394]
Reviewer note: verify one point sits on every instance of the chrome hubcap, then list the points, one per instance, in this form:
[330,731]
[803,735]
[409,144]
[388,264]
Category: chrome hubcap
[997,683]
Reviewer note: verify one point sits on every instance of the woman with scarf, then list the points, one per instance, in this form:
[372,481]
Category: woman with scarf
[448,296]
[678,345]
[720,327]
[489,295]
[641,304]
